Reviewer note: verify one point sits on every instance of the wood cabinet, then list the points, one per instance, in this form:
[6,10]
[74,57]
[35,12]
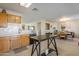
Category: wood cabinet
[14,19]
[18,19]
[19,41]
[15,42]
[24,40]
[8,18]
[11,18]
[4,44]
[3,20]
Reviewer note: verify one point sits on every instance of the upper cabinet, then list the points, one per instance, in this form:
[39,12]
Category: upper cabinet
[3,20]
[8,18]
[11,18]
[18,19]
[14,19]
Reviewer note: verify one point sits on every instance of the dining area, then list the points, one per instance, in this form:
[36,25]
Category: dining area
[52,44]
[64,33]
[50,39]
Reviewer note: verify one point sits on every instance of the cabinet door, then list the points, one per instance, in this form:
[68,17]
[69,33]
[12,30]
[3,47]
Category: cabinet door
[24,40]
[18,19]
[15,42]
[11,18]
[3,20]
[4,44]
[27,37]
[1,44]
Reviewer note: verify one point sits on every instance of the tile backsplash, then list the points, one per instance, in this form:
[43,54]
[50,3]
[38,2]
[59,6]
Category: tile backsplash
[12,29]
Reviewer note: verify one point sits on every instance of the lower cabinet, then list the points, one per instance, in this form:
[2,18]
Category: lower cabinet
[19,41]
[15,42]
[4,44]
[24,40]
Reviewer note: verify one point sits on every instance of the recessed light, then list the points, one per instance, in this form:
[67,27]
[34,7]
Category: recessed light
[26,4]
[65,19]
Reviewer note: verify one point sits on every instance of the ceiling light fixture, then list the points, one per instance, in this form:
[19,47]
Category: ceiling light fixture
[65,19]
[34,9]
[26,4]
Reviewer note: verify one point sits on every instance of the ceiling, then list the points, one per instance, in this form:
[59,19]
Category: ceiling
[46,11]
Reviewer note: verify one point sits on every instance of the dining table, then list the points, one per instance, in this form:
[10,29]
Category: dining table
[36,46]
[66,35]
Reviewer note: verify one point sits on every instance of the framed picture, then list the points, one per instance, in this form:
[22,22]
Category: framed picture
[31,27]
[23,27]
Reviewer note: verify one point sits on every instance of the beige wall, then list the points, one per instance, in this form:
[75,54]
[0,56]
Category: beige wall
[72,25]
[43,31]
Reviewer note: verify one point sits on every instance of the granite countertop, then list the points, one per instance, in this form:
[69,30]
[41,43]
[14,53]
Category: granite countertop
[6,35]
[14,34]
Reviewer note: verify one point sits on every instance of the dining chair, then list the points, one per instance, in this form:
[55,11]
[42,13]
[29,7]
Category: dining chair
[70,35]
[62,35]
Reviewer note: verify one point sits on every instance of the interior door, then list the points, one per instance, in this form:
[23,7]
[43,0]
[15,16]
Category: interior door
[39,28]
[47,26]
